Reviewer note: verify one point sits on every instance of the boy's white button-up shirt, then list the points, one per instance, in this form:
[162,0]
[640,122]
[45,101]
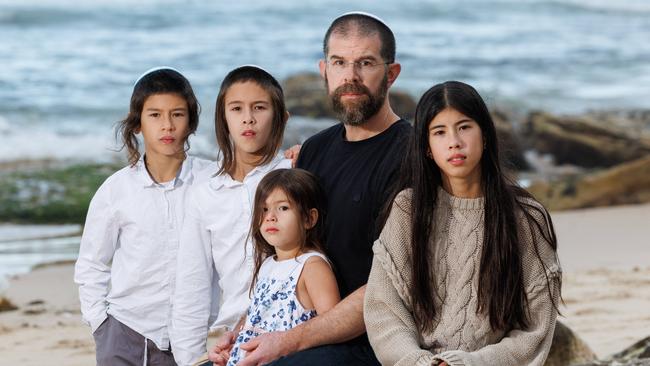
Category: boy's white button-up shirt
[127,257]
[214,247]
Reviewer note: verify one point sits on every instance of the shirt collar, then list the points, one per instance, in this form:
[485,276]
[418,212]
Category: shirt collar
[225,180]
[182,176]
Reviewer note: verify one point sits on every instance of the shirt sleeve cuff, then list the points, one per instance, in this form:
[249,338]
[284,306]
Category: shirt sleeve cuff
[452,358]
[184,358]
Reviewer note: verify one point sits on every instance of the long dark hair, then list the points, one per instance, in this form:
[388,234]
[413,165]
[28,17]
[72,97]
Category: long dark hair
[501,292]
[158,81]
[304,193]
[267,82]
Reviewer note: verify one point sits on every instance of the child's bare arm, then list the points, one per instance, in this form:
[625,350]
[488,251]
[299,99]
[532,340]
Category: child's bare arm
[320,284]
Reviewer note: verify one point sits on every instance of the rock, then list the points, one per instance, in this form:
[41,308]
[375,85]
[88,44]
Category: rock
[582,141]
[305,95]
[402,103]
[35,311]
[6,305]
[34,307]
[641,362]
[639,350]
[512,153]
[567,348]
[636,355]
[627,183]
[635,121]
[55,194]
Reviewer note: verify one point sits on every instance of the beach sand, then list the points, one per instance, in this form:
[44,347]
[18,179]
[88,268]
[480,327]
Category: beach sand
[48,331]
[606,291]
[606,263]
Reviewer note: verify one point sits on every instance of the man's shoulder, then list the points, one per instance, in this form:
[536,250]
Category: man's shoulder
[314,146]
[325,135]
[393,141]
[402,128]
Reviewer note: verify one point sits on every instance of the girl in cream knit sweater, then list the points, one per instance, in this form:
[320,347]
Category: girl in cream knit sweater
[465,271]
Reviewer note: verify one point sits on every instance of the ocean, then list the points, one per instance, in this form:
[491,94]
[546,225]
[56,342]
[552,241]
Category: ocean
[67,67]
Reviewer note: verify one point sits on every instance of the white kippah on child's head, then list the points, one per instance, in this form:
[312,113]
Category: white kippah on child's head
[252,65]
[152,70]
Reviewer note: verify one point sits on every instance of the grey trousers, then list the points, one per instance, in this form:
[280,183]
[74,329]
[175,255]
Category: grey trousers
[118,345]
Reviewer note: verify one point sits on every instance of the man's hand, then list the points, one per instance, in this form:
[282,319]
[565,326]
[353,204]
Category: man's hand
[292,153]
[220,353]
[267,348]
[341,323]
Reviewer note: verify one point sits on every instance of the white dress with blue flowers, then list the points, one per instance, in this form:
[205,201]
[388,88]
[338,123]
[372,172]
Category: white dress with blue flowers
[275,306]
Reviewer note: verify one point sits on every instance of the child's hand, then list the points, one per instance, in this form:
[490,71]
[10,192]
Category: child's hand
[292,153]
[220,353]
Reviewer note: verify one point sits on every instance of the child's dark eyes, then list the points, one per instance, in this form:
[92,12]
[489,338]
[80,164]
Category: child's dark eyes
[260,107]
[284,208]
[178,114]
[264,209]
[154,115]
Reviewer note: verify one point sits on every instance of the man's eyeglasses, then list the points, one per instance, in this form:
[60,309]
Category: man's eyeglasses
[364,67]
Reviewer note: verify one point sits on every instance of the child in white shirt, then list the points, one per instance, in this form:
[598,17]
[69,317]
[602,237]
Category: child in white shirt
[127,257]
[250,118]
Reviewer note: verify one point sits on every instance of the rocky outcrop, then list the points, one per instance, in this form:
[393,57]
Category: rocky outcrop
[59,194]
[639,350]
[512,152]
[402,103]
[636,122]
[6,305]
[305,95]
[636,355]
[582,141]
[639,362]
[567,348]
[625,184]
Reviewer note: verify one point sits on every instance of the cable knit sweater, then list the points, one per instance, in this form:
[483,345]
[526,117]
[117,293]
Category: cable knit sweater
[460,336]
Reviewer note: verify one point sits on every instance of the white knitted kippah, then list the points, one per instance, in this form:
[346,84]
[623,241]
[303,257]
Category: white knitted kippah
[252,65]
[369,15]
[152,70]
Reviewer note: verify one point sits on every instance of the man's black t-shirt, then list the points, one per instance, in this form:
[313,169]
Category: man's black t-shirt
[357,177]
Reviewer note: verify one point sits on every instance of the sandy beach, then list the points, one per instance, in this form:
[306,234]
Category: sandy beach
[606,292]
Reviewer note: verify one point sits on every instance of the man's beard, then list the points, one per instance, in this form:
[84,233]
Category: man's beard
[355,113]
